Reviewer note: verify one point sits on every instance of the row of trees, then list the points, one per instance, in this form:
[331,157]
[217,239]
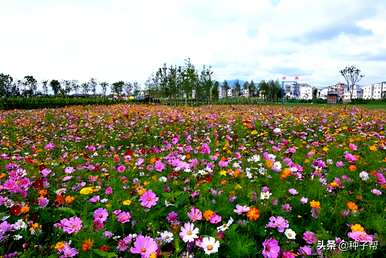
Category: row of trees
[177,82]
[29,87]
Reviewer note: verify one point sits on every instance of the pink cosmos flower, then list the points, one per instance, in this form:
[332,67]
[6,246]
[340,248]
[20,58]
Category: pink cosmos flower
[145,246]
[360,236]
[49,146]
[71,225]
[223,163]
[353,147]
[45,172]
[159,166]
[305,250]
[380,178]
[67,251]
[310,237]
[350,158]
[124,217]
[172,217]
[108,190]
[293,191]
[271,248]
[101,214]
[376,192]
[195,214]
[121,168]
[278,222]
[241,209]
[215,219]
[339,164]
[288,254]
[43,202]
[205,149]
[148,199]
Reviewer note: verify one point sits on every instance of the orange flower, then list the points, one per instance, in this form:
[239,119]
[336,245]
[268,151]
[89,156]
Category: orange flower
[25,209]
[153,160]
[69,199]
[373,148]
[315,204]
[352,168]
[285,173]
[357,227]
[2,175]
[352,206]
[87,244]
[59,245]
[208,214]
[187,156]
[253,214]
[43,192]
[269,163]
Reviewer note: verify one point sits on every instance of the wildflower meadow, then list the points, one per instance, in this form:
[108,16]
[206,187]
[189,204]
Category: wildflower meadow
[220,181]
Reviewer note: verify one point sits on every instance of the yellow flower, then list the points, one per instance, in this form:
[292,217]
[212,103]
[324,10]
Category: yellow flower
[223,172]
[254,132]
[325,149]
[127,202]
[315,204]
[59,245]
[87,190]
[373,148]
[357,227]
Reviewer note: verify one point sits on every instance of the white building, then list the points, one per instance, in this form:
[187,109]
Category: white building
[322,93]
[245,93]
[375,91]
[357,93]
[305,91]
[230,92]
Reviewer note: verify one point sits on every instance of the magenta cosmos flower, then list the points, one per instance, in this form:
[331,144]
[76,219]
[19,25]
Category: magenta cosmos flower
[123,217]
[100,215]
[271,248]
[145,246]
[148,199]
[360,236]
[195,214]
[159,166]
[71,225]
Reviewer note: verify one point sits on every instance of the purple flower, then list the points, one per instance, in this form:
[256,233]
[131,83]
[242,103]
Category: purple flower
[43,202]
[148,199]
[376,192]
[286,207]
[278,222]
[101,215]
[205,149]
[45,172]
[71,225]
[271,248]
[305,250]
[172,217]
[145,246]
[310,237]
[68,251]
[241,209]
[304,200]
[215,219]
[94,199]
[293,191]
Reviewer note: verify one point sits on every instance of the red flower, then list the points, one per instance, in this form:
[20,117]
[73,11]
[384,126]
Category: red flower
[16,210]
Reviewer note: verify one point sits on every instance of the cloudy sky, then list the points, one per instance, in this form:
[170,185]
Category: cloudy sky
[245,39]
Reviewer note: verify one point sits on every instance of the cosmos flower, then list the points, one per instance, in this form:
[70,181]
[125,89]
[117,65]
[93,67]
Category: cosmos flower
[145,246]
[210,245]
[148,199]
[271,248]
[189,232]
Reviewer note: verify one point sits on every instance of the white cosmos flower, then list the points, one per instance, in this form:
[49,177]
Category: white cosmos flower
[364,175]
[166,236]
[189,233]
[210,245]
[289,233]
[265,195]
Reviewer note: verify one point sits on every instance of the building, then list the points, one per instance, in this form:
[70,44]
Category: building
[332,98]
[305,91]
[322,93]
[291,89]
[375,91]
[356,94]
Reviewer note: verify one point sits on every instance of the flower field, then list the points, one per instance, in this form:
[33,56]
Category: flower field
[220,181]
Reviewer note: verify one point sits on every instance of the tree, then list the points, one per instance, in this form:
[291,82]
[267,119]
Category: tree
[225,87]
[314,93]
[92,84]
[252,89]
[6,85]
[85,88]
[104,86]
[246,89]
[352,75]
[45,87]
[128,87]
[30,84]
[136,89]
[237,88]
[75,86]
[55,85]
[117,87]
[67,86]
